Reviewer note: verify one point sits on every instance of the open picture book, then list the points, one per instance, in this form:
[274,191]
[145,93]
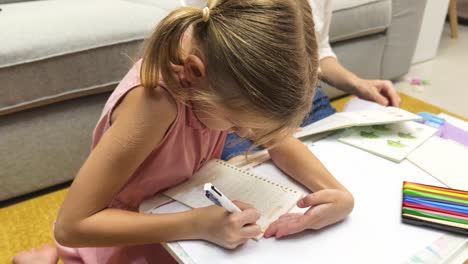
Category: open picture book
[271,199]
[384,115]
[391,141]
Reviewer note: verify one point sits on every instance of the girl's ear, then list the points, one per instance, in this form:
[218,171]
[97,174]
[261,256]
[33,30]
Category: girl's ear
[194,70]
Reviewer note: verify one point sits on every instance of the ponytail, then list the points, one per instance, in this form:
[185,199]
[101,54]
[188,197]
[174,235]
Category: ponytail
[162,49]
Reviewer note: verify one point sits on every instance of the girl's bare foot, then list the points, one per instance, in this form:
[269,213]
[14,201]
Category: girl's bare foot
[45,255]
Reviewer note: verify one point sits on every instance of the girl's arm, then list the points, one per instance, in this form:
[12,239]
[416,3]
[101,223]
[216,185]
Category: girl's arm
[126,144]
[139,124]
[329,203]
[296,160]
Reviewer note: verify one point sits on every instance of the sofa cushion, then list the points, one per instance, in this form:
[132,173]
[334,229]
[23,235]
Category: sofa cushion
[46,146]
[345,4]
[66,48]
[13,1]
[164,4]
[358,18]
[351,18]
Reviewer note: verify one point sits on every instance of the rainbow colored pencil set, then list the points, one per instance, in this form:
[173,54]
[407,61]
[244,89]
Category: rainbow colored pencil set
[437,207]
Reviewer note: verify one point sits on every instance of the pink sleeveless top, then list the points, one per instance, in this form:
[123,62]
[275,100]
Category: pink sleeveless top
[186,146]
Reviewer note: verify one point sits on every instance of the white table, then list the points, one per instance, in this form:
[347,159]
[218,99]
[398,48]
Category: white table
[373,233]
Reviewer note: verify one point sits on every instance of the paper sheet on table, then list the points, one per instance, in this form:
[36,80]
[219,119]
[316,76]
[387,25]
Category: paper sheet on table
[445,160]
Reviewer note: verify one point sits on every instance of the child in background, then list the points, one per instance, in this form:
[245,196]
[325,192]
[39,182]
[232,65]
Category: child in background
[243,66]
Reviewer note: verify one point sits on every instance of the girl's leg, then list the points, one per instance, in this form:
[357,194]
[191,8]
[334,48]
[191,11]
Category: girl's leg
[321,108]
[45,255]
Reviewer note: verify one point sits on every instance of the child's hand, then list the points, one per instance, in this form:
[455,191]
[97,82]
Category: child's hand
[326,207]
[229,230]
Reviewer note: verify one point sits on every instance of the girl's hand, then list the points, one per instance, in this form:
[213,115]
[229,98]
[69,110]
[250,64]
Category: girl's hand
[228,230]
[379,91]
[326,207]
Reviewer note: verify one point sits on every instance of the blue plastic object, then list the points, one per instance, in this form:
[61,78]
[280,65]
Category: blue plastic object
[431,119]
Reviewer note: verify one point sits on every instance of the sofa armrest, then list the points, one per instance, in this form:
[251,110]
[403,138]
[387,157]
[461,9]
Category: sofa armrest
[402,36]
[13,1]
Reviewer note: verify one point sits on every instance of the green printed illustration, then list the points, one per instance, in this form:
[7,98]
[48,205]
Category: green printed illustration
[381,128]
[396,144]
[367,134]
[406,135]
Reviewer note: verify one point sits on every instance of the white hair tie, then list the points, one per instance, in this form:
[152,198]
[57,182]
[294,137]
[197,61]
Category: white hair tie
[206,14]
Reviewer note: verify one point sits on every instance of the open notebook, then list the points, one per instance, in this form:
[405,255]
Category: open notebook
[271,199]
[384,115]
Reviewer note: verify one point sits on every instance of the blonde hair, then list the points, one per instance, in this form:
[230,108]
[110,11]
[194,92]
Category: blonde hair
[260,57]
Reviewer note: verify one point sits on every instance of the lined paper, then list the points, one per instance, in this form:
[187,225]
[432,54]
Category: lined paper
[271,199]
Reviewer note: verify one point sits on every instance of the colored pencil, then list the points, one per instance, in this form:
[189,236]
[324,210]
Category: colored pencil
[438,213]
[437,190]
[422,207]
[422,222]
[435,207]
[435,196]
[438,221]
[445,206]
[434,216]
[433,199]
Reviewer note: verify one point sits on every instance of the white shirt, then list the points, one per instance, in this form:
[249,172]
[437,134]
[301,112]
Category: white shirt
[321,11]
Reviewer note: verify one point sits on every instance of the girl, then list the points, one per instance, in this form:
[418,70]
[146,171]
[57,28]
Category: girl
[243,66]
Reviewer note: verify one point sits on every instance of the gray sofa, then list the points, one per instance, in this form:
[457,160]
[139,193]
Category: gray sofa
[59,59]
